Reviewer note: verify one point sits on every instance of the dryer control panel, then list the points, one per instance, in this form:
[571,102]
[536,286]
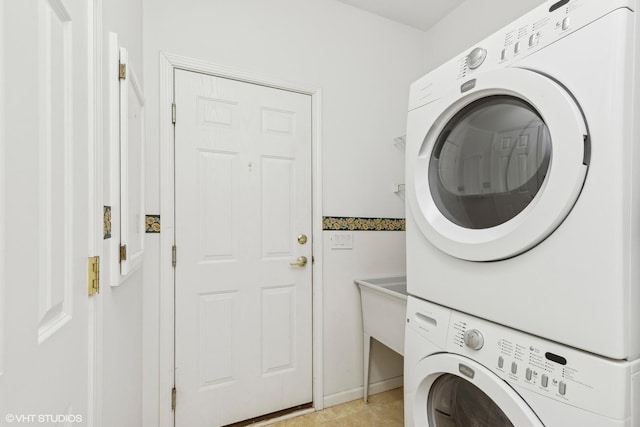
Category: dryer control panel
[534,31]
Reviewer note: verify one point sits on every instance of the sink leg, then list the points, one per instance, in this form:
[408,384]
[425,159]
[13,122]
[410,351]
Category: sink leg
[367,349]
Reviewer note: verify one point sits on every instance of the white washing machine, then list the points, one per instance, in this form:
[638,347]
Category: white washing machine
[463,371]
[523,182]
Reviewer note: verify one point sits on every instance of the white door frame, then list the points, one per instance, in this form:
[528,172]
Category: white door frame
[96,201]
[169,62]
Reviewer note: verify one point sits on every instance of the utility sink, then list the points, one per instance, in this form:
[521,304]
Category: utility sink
[384,306]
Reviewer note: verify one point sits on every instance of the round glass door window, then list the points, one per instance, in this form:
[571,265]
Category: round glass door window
[455,402]
[489,162]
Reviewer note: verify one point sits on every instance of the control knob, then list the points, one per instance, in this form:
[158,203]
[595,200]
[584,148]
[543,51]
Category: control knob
[476,57]
[473,339]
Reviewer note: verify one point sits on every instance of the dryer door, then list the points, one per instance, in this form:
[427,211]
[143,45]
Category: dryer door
[458,392]
[500,166]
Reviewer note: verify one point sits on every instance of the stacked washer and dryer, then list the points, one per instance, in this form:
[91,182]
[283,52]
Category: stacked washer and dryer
[523,226]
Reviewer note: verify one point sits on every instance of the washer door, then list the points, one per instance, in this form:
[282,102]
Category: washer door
[458,392]
[500,167]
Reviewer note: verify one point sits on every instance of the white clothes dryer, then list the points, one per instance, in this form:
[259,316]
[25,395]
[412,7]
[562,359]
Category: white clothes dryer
[523,178]
[464,371]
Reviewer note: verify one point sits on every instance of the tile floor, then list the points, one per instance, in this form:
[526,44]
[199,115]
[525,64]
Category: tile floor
[383,410]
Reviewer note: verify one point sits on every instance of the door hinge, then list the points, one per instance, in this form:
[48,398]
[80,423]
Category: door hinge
[173,113]
[94,275]
[122,71]
[173,255]
[123,253]
[173,399]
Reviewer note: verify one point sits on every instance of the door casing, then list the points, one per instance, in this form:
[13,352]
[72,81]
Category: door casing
[165,293]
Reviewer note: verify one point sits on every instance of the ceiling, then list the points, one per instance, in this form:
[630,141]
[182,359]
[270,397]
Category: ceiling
[420,14]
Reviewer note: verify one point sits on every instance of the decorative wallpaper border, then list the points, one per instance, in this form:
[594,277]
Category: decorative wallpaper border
[106,222]
[152,224]
[328,223]
[363,224]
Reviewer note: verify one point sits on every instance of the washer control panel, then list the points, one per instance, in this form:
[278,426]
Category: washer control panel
[536,30]
[562,373]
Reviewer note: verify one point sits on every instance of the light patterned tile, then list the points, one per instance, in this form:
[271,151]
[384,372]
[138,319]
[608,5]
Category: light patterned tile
[390,396]
[383,410]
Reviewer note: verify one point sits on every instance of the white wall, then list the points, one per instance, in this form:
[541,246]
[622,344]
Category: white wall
[469,23]
[364,65]
[374,254]
[362,62]
[122,365]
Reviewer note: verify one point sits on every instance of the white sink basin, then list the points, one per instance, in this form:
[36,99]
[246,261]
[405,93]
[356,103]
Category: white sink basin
[384,306]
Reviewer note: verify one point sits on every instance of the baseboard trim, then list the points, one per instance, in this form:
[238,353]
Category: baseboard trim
[357,393]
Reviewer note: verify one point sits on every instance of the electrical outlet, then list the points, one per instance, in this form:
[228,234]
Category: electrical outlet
[341,240]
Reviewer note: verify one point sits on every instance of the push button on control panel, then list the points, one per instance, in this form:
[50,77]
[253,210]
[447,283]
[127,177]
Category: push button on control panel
[545,380]
[516,47]
[500,362]
[528,374]
[562,388]
[566,23]
[534,39]
[514,367]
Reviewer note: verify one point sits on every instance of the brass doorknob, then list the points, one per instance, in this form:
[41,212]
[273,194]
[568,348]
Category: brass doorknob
[300,262]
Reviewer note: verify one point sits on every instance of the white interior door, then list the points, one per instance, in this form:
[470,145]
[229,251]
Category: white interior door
[243,198]
[44,346]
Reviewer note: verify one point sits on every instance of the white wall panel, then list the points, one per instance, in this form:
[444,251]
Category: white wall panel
[277,206]
[215,111]
[278,122]
[278,329]
[55,166]
[217,215]
[216,325]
